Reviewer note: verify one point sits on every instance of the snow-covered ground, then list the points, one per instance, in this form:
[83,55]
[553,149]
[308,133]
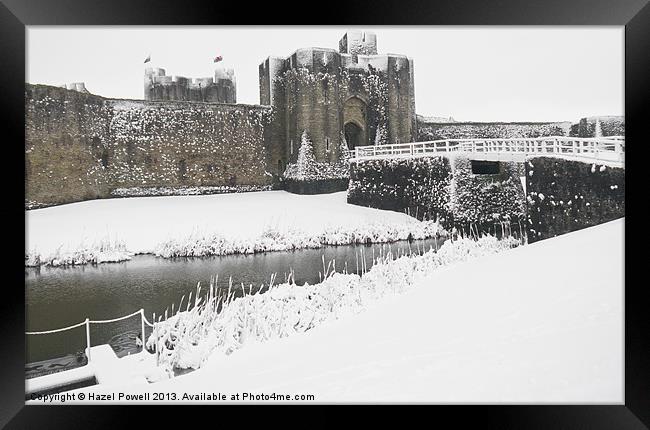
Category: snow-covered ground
[199,225]
[540,323]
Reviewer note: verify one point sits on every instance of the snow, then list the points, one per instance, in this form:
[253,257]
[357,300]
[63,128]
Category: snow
[196,225]
[541,323]
[188,338]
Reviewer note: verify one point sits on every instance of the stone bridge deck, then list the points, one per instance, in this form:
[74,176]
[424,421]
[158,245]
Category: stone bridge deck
[606,150]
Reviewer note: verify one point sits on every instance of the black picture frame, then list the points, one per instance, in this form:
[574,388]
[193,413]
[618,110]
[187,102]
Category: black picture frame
[15,15]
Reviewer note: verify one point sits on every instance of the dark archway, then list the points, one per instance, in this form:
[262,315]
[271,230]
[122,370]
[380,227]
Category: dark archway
[354,122]
[353,135]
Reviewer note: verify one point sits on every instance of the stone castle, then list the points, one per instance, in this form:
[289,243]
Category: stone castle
[353,97]
[353,94]
[191,135]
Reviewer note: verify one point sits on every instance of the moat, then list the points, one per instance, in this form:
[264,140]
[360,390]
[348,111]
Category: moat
[58,297]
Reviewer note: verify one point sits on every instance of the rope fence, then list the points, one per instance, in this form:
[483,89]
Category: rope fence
[87,323]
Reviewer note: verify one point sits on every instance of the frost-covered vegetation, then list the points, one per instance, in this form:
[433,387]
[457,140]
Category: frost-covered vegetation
[441,188]
[219,323]
[490,130]
[186,191]
[104,251]
[306,168]
[273,239]
[584,196]
[602,126]
[418,186]
[483,199]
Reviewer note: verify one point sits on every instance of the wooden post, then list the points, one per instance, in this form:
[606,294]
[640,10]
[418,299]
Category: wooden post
[88,338]
[142,327]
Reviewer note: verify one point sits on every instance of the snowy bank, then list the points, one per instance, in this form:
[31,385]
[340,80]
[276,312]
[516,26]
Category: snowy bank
[541,323]
[223,325]
[174,226]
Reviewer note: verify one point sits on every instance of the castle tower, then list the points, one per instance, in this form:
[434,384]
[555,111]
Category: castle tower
[76,86]
[354,94]
[358,42]
[221,88]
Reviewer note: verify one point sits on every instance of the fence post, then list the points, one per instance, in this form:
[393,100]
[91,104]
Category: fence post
[142,326]
[155,336]
[88,338]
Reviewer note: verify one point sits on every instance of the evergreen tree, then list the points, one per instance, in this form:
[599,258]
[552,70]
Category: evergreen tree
[306,160]
[343,151]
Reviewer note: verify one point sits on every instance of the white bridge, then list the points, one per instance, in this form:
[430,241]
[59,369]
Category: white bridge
[604,150]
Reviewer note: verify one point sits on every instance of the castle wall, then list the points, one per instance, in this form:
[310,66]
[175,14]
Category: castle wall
[81,146]
[489,130]
[609,126]
[440,188]
[567,195]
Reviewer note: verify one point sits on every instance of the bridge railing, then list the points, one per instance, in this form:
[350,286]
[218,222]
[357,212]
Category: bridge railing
[597,149]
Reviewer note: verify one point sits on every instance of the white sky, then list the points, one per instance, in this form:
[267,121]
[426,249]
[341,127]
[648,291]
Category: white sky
[470,73]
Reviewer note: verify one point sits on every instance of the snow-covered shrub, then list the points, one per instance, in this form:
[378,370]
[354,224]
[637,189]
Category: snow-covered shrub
[306,168]
[220,323]
[201,245]
[103,251]
[186,191]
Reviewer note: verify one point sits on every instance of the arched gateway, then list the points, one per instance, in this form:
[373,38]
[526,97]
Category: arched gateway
[354,120]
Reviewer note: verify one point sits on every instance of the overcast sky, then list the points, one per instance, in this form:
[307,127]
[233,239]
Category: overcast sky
[470,73]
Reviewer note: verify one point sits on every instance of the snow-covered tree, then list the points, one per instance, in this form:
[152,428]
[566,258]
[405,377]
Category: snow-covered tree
[379,136]
[306,159]
[343,151]
[306,168]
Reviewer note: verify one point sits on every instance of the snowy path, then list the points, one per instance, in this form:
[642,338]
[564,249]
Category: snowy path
[142,223]
[540,323]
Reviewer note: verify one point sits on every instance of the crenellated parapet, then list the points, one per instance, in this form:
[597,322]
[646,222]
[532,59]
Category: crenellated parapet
[76,86]
[358,42]
[222,88]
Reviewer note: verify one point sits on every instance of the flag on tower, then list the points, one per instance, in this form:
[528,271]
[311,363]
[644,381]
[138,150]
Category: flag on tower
[218,58]
[148,59]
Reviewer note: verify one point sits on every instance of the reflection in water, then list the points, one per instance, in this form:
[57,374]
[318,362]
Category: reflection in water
[58,297]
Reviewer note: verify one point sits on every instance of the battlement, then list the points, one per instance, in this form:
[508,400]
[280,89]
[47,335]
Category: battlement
[76,86]
[358,42]
[221,88]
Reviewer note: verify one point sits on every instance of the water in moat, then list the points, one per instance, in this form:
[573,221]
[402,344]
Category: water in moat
[58,297]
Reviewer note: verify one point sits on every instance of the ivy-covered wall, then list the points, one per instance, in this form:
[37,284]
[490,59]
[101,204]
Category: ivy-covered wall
[418,186]
[567,195]
[81,146]
[439,188]
[602,126]
[485,199]
[489,130]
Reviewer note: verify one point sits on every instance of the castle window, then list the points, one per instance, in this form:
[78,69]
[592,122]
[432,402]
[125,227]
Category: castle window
[182,169]
[105,158]
[327,143]
[291,146]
